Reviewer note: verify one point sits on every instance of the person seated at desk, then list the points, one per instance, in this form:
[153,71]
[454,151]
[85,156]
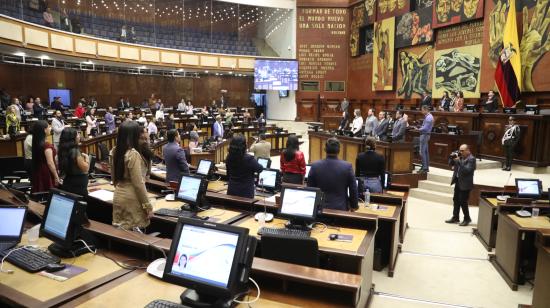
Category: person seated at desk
[335,178]
[357,123]
[381,131]
[491,104]
[445,103]
[371,165]
[79,111]
[241,168]
[174,157]
[44,169]
[217,128]
[399,127]
[193,140]
[131,206]
[261,148]
[73,165]
[292,161]
[182,106]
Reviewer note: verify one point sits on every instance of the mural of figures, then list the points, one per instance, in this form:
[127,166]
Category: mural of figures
[535,43]
[422,4]
[382,72]
[414,28]
[390,8]
[497,19]
[368,34]
[357,21]
[370,11]
[449,12]
[457,69]
[414,71]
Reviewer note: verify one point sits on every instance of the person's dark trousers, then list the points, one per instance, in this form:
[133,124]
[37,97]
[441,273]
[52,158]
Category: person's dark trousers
[460,200]
[509,152]
[293,178]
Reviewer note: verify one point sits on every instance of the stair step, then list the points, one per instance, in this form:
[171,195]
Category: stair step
[433,196]
[438,186]
[439,178]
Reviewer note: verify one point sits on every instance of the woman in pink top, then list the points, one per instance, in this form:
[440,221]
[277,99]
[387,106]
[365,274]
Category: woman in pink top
[459,102]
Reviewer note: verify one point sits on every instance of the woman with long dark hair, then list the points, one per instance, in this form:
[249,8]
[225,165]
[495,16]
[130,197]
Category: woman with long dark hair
[73,165]
[44,170]
[240,168]
[293,163]
[131,206]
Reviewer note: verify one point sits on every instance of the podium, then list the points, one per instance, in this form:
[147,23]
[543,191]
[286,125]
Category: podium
[398,156]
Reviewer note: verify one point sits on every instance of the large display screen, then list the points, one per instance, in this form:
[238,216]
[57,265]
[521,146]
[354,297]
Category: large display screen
[205,255]
[276,75]
[63,94]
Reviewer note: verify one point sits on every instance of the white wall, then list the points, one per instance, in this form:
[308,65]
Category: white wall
[281,108]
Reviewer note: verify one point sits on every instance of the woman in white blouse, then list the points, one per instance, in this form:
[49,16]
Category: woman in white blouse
[357,123]
[189,108]
[91,123]
[152,129]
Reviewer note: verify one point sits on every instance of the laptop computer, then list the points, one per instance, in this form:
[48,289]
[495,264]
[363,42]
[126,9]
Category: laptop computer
[11,228]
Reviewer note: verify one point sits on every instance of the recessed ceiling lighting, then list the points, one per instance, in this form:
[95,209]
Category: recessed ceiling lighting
[20,54]
[44,57]
[88,62]
[142,67]
[206,72]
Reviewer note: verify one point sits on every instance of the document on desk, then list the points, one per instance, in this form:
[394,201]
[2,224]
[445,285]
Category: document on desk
[271,199]
[102,194]
[68,272]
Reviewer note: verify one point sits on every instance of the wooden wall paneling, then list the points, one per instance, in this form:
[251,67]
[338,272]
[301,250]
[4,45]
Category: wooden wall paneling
[306,110]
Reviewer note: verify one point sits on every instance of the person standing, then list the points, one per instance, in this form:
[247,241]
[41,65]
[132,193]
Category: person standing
[371,166]
[38,109]
[110,120]
[241,168]
[371,122]
[174,157]
[44,170]
[335,178]
[12,122]
[399,127]
[344,105]
[292,162]
[426,100]
[491,104]
[182,106]
[261,148]
[18,109]
[91,123]
[357,123]
[344,122]
[381,130]
[425,132]
[217,129]
[152,129]
[464,165]
[445,103]
[131,206]
[73,165]
[459,102]
[510,140]
[58,124]
[79,111]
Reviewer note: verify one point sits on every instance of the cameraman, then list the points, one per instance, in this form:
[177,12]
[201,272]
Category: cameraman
[464,165]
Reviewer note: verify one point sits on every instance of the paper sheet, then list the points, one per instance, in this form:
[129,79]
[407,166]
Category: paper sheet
[102,194]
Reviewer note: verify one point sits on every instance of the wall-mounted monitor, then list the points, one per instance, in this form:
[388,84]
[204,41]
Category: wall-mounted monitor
[275,74]
[283,93]
[63,94]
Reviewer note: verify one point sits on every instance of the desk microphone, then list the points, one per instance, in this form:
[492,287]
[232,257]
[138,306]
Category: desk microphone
[503,197]
[265,216]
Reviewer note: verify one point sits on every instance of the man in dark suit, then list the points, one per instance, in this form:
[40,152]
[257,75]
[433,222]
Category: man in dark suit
[464,165]
[335,178]
[491,104]
[381,131]
[174,157]
[399,127]
[426,100]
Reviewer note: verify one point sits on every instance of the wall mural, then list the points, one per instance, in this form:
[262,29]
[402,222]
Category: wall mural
[457,69]
[370,11]
[390,8]
[357,21]
[382,72]
[368,33]
[422,4]
[414,71]
[414,28]
[449,12]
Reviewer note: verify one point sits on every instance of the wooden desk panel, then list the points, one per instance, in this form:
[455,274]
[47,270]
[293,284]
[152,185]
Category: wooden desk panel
[388,211]
[540,222]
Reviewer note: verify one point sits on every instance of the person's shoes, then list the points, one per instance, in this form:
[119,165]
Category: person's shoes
[453,220]
[504,168]
[509,168]
[465,222]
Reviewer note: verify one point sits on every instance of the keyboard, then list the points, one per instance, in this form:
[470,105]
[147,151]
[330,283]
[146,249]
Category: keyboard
[175,213]
[260,193]
[284,232]
[30,259]
[159,303]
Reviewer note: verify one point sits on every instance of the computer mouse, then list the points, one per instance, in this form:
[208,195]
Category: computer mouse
[333,237]
[54,267]
[204,217]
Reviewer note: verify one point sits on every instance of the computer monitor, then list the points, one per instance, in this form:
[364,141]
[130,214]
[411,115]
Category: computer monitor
[386,182]
[452,129]
[265,162]
[471,108]
[308,167]
[211,260]
[269,179]
[11,227]
[532,109]
[529,188]
[299,204]
[205,167]
[62,223]
[509,110]
[191,190]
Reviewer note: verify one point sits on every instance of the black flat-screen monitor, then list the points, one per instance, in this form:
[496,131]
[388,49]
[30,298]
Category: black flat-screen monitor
[205,167]
[211,260]
[532,109]
[509,110]
[529,188]
[300,203]
[275,74]
[191,190]
[471,108]
[11,227]
[265,162]
[452,129]
[269,179]
[283,93]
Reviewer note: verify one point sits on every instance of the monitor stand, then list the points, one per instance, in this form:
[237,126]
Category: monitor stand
[77,248]
[192,298]
[202,205]
[298,225]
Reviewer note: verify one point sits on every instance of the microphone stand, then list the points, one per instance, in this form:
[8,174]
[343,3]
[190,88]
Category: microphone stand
[502,197]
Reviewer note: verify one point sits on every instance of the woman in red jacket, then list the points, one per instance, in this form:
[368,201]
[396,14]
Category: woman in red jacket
[293,164]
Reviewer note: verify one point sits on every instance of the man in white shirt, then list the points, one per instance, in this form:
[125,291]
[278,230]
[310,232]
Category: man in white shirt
[182,106]
[357,124]
[57,126]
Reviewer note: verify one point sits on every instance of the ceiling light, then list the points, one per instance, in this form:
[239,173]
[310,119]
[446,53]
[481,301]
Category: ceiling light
[19,54]
[44,57]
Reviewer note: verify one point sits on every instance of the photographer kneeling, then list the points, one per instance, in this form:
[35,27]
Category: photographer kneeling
[464,165]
